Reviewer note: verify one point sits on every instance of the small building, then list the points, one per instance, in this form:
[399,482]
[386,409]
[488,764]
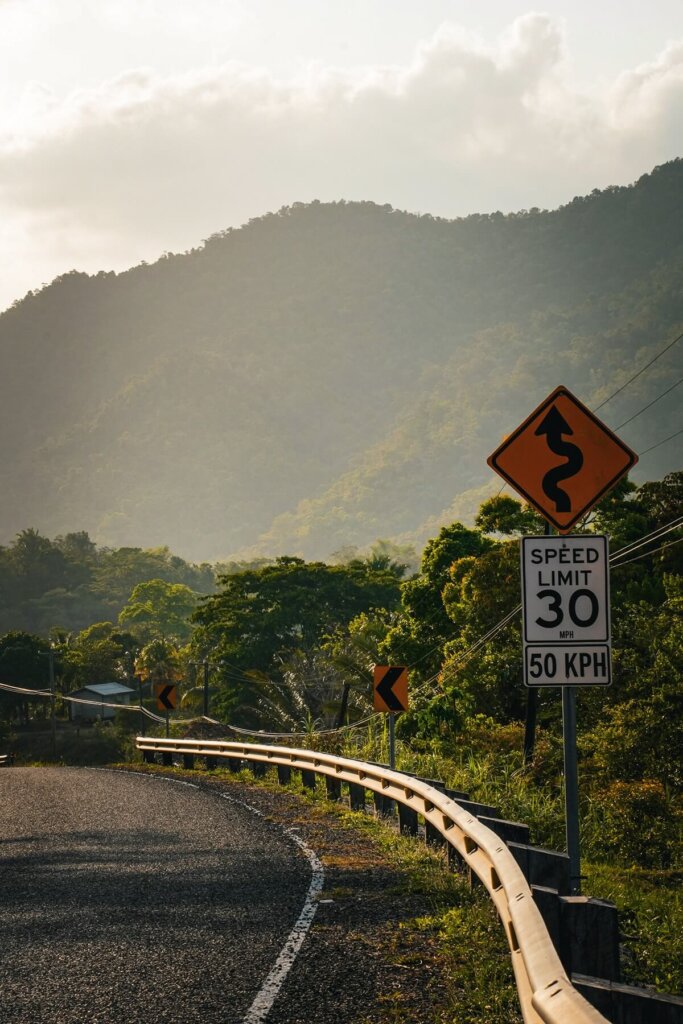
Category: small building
[108,693]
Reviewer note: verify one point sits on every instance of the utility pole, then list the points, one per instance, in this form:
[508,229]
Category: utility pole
[132,678]
[53,705]
[205,664]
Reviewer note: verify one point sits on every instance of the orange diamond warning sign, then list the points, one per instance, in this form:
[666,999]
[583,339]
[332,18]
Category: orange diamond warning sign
[562,459]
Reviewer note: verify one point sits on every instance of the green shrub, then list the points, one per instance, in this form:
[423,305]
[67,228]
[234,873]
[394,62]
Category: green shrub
[635,823]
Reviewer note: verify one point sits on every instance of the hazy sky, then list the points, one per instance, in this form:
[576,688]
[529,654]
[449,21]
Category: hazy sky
[130,127]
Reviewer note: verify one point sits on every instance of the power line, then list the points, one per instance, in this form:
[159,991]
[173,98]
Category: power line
[647,554]
[649,405]
[636,375]
[656,535]
[669,438]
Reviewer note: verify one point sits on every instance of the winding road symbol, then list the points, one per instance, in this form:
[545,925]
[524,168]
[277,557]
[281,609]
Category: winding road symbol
[562,459]
[554,426]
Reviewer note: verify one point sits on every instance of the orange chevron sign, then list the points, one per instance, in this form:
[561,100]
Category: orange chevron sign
[390,688]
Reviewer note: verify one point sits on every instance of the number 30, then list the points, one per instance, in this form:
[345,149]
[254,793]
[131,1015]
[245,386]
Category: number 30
[556,607]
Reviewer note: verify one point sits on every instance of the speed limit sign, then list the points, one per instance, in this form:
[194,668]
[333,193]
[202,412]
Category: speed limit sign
[565,596]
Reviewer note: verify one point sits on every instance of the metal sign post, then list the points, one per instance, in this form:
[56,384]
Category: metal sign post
[571,788]
[392,742]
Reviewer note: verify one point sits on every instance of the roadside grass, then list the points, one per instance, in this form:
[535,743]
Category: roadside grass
[650,905]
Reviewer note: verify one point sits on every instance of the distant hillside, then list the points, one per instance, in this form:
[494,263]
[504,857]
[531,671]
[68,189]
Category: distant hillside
[331,373]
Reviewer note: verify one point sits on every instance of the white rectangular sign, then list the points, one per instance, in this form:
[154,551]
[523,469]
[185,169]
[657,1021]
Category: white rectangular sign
[565,588]
[576,665]
[565,597]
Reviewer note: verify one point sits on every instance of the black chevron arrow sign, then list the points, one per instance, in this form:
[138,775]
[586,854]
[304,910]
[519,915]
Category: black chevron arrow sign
[166,697]
[391,688]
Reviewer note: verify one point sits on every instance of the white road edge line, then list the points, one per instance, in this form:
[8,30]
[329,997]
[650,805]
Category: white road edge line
[268,993]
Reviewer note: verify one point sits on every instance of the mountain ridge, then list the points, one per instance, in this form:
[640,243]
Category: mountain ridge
[326,374]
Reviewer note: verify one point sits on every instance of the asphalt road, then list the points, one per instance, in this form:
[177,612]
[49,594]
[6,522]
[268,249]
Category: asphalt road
[127,899]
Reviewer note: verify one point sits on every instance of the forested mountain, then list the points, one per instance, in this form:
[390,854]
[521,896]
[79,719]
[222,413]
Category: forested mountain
[331,373]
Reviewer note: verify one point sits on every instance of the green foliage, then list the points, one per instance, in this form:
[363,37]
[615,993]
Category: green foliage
[69,583]
[650,906]
[423,628]
[97,654]
[636,823]
[23,662]
[505,515]
[260,618]
[159,609]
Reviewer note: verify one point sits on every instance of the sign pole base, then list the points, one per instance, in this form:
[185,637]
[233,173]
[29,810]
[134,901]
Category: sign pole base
[392,742]
[571,787]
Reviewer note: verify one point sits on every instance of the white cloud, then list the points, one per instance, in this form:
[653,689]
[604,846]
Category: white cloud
[147,162]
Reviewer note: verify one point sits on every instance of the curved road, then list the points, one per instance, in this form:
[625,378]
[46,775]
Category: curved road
[127,899]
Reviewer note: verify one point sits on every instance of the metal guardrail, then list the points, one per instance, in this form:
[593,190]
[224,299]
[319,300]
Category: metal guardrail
[546,994]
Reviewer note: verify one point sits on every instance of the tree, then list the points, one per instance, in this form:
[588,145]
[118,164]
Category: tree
[505,515]
[259,618]
[158,662]
[159,609]
[423,627]
[99,654]
[23,662]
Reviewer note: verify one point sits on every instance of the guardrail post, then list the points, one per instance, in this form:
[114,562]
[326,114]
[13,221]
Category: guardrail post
[333,787]
[148,757]
[308,778]
[626,1003]
[542,867]
[433,837]
[211,764]
[455,861]
[258,768]
[234,765]
[356,796]
[188,760]
[167,758]
[284,774]
[589,937]
[407,820]
[384,807]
